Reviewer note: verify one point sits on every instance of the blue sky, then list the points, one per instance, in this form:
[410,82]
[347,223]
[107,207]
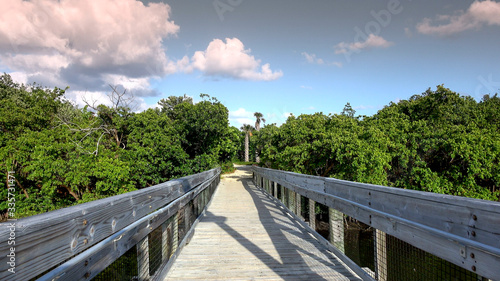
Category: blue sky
[275,57]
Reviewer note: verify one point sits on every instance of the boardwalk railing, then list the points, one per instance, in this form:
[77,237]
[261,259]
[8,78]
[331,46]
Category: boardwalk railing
[416,235]
[80,242]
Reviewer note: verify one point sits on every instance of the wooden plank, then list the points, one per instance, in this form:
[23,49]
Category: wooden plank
[88,264]
[461,230]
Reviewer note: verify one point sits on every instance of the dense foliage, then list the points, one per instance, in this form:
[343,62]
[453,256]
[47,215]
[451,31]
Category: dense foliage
[63,155]
[438,141]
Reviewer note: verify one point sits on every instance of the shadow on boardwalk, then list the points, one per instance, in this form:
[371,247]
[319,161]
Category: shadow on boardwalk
[245,235]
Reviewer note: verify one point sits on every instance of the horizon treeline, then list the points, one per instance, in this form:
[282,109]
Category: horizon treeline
[437,141]
[63,155]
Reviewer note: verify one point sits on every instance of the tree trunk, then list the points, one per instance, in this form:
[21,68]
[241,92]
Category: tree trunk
[246,148]
[71,192]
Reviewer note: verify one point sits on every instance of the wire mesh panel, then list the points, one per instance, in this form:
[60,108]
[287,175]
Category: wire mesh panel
[322,220]
[123,269]
[406,262]
[278,192]
[358,243]
[181,224]
[304,204]
[155,249]
[169,243]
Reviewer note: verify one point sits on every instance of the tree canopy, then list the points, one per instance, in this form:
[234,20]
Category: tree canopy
[437,141]
[63,155]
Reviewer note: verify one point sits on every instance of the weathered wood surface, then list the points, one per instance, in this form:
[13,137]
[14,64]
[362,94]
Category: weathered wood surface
[461,230]
[46,240]
[245,235]
[88,264]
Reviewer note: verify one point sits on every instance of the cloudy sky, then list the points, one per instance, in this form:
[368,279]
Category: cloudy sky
[273,56]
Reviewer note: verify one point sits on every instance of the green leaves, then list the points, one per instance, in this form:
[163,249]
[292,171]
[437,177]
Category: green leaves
[63,155]
[438,142]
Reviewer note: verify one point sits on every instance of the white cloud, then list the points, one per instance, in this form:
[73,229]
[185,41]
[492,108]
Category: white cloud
[336,63]
[241,116]
[85,43]
[241,112]
[478,14]
[82,98]
[372,41]
[408,32]
[306,87]
[231,59]
[311,58]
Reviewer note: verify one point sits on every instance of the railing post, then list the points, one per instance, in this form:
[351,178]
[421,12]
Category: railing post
[283,195]
[187,217]
[275,187]
[164,242]
[175,232]
[291,200]
[380,255]
[143,259]
[312,214]
[298,204]
[336,229]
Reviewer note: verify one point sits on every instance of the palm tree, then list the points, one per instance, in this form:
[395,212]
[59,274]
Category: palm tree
[247,129]
[258,115]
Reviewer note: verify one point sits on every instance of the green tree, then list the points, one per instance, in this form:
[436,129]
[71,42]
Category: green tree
[348,111]
[258,120]
[167,105]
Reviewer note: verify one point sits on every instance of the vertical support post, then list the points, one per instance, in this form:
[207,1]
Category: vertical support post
[336,223]
[164,241]
[380,255]
[298,204]
[312,214]
[175,232]
[275,190]
[283,195]
[291,198]
[143,259]
[187,218]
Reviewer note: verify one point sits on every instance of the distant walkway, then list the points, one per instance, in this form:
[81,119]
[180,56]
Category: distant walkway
[245,235]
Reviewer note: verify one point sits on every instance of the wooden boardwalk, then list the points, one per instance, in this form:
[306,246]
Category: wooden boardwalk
[245,235]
